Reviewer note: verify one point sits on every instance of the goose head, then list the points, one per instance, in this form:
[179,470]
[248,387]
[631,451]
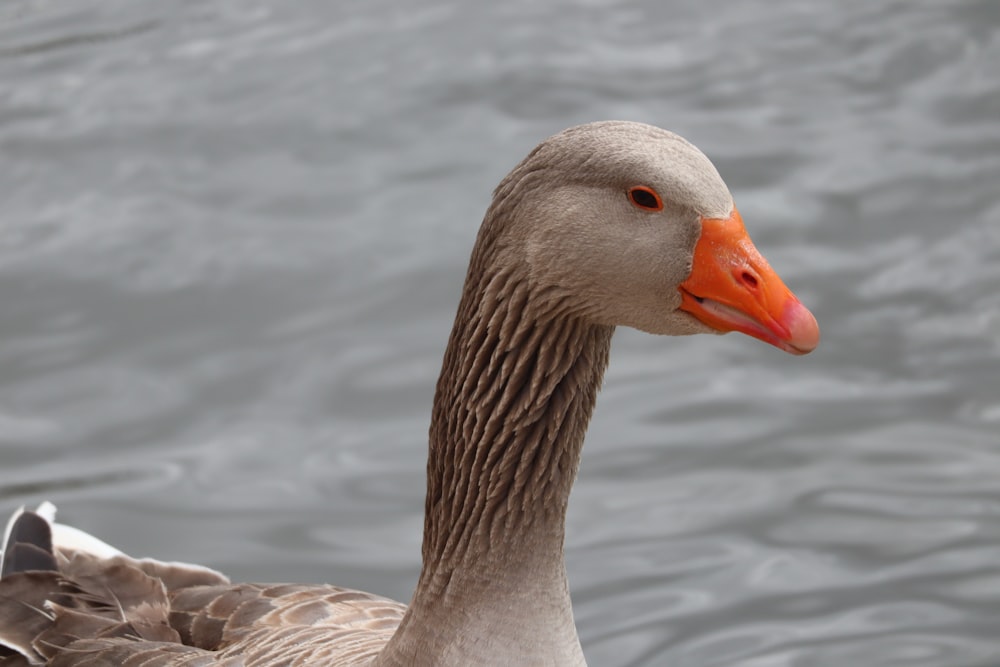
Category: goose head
[622,223]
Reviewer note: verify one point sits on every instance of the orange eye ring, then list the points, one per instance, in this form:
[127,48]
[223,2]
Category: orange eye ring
[645,197]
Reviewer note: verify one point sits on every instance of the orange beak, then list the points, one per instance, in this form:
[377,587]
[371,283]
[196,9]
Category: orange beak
[733,288]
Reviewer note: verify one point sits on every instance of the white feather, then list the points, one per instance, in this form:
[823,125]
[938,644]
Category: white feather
[69,538]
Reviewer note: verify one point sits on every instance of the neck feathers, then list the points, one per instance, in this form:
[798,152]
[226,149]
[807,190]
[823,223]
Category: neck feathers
[516,392]
[517,389]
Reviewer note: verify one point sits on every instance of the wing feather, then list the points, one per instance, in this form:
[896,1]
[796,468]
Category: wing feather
[65,606]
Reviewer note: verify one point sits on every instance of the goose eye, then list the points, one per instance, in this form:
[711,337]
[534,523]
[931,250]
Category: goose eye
[645,198]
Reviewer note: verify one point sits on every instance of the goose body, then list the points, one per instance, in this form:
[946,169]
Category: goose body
[601,225]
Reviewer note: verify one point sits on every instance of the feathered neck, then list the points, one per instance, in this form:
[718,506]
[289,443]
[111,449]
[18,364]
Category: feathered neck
[516,391]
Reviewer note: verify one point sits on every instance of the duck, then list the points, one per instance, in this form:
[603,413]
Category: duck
[607,224]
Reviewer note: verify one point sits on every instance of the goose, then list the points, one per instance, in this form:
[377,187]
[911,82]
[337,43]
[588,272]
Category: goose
[602,225]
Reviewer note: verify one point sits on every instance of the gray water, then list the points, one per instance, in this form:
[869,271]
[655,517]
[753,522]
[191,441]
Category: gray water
[232,237]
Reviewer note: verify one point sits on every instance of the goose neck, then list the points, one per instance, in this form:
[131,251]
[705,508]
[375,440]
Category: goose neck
[517,388]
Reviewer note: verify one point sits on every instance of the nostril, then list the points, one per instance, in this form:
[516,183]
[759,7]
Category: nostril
[749,279]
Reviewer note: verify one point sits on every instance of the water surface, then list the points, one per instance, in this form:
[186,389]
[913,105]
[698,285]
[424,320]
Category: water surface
[232,237]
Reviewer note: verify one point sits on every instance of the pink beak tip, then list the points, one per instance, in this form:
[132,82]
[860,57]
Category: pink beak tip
[803,330]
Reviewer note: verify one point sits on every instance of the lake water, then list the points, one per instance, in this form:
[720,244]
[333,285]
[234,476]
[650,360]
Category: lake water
[233,234]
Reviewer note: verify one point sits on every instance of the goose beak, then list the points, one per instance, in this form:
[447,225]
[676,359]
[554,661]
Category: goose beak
[733,288]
